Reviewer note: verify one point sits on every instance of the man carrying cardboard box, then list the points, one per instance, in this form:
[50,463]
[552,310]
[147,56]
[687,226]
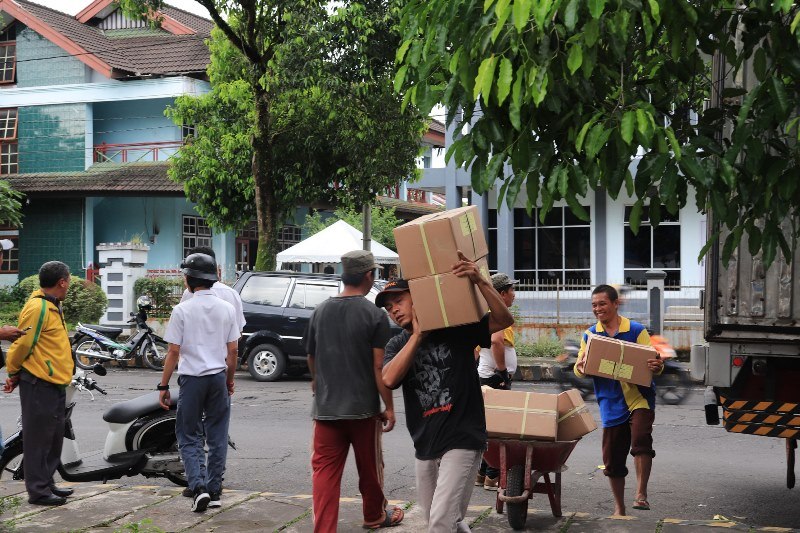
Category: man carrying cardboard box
[442,394]
[627,411]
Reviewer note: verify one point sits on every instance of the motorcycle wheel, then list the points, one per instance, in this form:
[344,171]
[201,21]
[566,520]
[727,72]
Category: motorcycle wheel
[84,360]
[11,468]
[673,387]
[154,352]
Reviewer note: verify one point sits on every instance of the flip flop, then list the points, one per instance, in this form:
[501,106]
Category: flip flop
[392,519]
[642,505]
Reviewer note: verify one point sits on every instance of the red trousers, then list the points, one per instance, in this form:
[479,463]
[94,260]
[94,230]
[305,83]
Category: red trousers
[331,444]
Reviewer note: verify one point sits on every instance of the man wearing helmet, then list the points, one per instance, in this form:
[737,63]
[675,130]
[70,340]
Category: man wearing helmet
[203,336]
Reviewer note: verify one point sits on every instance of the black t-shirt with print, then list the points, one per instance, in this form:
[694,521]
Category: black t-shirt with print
[442,393]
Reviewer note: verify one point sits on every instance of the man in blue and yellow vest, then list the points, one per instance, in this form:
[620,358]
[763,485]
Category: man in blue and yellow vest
[40,363]
[627,411]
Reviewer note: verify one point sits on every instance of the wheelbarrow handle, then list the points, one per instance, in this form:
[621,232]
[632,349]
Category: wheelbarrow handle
[501,495]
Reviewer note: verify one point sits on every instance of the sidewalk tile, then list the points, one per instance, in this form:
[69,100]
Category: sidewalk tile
[256,514]
[13,488]
[629,524]
[690,526]
[83,491]
[538,520]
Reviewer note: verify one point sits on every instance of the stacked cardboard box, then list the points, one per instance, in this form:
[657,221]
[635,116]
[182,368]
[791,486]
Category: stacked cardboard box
[428,248]
[620,360]
[536,416]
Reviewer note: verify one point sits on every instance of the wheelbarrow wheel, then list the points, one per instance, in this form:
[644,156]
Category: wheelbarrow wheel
[517,512]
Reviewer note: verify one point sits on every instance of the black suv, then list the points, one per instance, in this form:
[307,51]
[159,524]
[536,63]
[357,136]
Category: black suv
[277,307]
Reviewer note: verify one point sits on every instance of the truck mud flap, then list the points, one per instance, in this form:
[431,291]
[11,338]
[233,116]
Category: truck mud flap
[767,419]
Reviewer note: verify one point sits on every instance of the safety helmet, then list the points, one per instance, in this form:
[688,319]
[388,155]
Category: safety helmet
[200,266]
[144,302]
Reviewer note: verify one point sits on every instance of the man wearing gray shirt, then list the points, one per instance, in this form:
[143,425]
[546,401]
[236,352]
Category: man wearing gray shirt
[345,343]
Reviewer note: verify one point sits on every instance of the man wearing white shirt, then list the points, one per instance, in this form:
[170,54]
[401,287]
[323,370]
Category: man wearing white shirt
[203,340]
[219,289]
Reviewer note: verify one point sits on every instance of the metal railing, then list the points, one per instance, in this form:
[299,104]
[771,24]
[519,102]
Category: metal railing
[135,152]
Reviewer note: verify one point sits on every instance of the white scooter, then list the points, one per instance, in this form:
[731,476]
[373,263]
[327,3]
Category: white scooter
[141,440]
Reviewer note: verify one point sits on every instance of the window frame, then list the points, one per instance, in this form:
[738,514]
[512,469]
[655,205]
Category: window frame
[4,59]
[645,225]
[10,256]
[9,145]
[191,239]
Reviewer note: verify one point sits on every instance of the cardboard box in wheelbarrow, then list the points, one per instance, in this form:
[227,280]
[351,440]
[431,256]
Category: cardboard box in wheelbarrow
[574,418]
[428,245]
[611,358]
[520,415]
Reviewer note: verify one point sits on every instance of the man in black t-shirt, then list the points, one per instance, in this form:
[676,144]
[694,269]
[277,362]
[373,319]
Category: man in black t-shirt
[442,394]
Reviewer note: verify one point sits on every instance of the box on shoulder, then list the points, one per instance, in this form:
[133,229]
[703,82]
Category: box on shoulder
[446,300]
[520,415]
[624,361]
[574,418]
[428,245]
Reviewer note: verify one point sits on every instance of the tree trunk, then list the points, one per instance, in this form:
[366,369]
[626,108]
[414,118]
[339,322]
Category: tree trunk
[267,211]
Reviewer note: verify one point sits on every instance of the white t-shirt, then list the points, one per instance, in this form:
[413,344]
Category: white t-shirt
[221,290]
[202,326]
[486,364]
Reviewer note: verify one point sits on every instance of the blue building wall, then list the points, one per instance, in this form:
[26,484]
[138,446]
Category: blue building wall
[137,121]
[40,62]
[52,138]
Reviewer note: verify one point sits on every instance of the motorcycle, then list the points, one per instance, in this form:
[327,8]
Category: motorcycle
[93,344]
[141,440]
[672,385]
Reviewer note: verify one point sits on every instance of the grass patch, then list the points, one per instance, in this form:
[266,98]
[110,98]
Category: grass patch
[543,347]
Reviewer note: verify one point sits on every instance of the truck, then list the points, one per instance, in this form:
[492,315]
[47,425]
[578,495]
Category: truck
[750,362]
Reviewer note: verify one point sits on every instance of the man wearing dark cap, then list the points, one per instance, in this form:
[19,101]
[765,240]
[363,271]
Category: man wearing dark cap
[345,343]
[496,366]
[443,400]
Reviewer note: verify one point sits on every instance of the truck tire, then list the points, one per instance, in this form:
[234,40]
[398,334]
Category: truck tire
[266,362]
[517,512]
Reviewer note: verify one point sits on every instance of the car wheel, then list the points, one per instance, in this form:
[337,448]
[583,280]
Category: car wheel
[266,362]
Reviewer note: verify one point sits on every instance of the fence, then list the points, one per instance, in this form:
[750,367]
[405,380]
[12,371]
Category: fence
[564,310]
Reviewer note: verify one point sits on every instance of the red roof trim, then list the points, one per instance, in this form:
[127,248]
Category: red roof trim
[69,46]
[167,23]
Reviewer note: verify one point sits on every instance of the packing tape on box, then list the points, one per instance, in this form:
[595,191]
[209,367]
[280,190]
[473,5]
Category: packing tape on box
[441,301]
[468,227]
[574,411]
[524,410]
[617,369]
[427,248]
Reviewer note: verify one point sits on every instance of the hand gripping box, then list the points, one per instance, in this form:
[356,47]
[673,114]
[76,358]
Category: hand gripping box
[620,360]
[428,244]
[446,300]
[574,418]
[520,415]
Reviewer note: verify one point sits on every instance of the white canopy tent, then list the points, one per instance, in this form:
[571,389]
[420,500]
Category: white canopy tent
[330,244]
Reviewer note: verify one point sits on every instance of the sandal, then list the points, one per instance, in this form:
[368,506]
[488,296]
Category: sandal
[392,519]
[642,505]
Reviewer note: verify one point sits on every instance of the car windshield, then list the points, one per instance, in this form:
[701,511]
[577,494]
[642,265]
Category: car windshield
[263,290]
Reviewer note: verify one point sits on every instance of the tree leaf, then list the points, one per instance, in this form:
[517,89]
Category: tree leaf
[484,79]
[596,8]
[563,182]
[591,32]
[655,11]
[575,58]
[760,64]
[795,22]
[504,76]
[626,126]
[540,12]
[487,4]
[597,138]
[503,11]
[753,239]
[778,91]
[401,52]
[571,15]
[635,218]
[515,107]
[577,209]
[583,131]
[676,147]
[400,78]
[521,12]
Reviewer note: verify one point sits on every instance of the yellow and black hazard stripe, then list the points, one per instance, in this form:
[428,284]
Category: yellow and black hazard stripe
[766,407]
[745,417]
[764,418]
[764,430]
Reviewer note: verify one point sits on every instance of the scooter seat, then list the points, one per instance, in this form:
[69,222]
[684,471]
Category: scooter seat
[130,410]
[110,332]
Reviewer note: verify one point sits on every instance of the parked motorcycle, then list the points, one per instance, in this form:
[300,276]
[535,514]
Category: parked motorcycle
[141,440]
[672,385]
[93,344]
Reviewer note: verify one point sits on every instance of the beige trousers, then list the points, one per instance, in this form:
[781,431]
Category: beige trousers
[444,487]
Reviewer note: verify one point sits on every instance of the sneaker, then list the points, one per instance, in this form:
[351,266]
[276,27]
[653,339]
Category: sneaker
[215,500]
[479,480]
[201,500]
[490,483]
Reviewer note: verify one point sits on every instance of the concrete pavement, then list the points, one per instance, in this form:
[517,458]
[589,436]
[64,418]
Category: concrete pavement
[115,507]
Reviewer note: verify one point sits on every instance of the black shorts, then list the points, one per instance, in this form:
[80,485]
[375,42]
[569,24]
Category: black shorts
[634,436]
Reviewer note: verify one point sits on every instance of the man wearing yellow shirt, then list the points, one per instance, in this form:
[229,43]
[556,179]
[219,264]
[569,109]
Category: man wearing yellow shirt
[41,364]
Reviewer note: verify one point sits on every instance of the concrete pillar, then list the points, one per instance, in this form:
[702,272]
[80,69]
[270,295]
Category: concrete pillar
[481,201]
[655,299]
[121,264]
[599,221]
[88,159]
[505,239]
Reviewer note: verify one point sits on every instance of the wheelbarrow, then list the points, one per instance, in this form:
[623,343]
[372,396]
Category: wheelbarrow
[525,469]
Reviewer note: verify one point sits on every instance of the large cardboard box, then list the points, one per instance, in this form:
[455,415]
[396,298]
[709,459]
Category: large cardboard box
[446,300]
[428,245]
[520,415]
[574,418]
[619,360]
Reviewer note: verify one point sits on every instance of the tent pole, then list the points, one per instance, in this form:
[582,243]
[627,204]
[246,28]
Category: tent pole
[367,233]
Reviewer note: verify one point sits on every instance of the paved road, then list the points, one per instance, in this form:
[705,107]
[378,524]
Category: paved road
[699,472]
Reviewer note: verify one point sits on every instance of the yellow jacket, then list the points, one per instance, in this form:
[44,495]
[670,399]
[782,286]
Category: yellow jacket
[51,358]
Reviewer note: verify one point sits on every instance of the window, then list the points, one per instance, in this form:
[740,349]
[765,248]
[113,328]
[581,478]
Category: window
[265,290]
[653,248]
[491,229]
[9,149]
[8,55]
[187,130]
[195,233]
[308,296]
[556,251]
[9,259]
[290,235]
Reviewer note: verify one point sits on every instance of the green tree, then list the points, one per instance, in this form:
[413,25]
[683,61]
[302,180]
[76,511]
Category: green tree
[302,108]
[384,221]
[568,92]
[10,205]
